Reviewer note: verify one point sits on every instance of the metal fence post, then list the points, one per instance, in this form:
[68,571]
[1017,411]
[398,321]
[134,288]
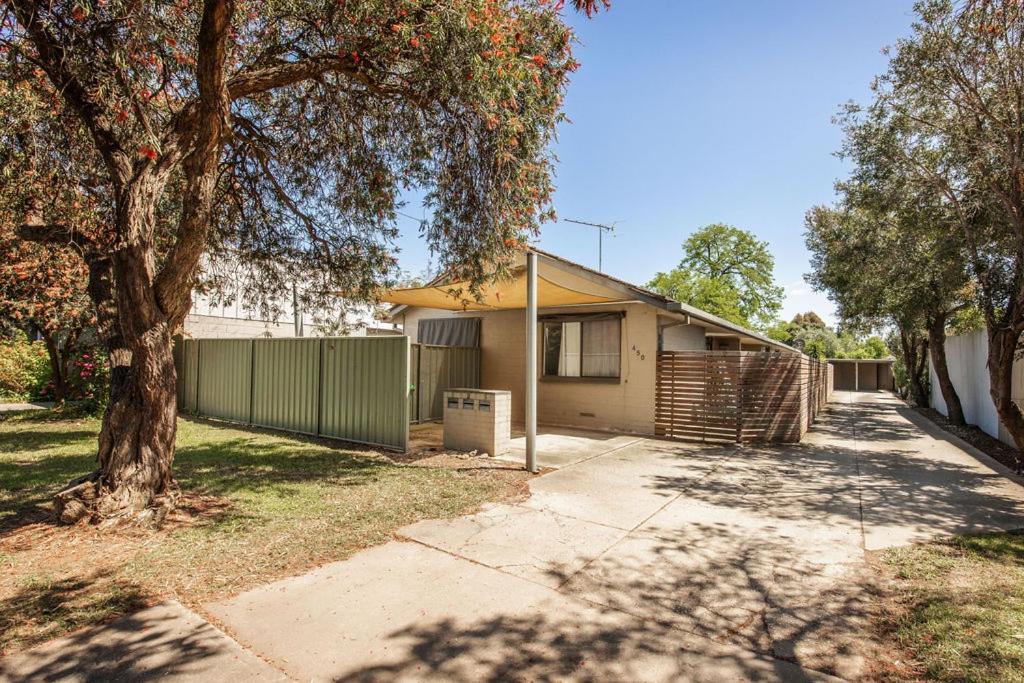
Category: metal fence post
[252,377]
[319,385]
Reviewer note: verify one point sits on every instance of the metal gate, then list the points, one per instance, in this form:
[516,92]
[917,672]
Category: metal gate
[432,370]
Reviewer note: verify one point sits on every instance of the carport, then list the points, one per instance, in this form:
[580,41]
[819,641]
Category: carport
[863,374]
[535,284]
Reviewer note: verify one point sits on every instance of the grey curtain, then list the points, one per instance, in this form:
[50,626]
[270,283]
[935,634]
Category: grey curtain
[449,332]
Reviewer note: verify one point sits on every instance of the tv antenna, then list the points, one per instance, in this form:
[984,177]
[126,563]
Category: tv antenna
[601,230]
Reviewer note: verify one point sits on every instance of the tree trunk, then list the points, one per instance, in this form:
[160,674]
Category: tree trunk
[101,291]
[136,445]
[937,346]
[1002,350]
[60,382]
[912,361]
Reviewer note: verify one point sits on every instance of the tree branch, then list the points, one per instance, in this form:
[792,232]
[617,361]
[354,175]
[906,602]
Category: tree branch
[53,59]
[255,81]
[173,284]
[54,233]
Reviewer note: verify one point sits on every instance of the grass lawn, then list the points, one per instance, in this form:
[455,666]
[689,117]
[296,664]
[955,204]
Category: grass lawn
[956,611]
[256,506]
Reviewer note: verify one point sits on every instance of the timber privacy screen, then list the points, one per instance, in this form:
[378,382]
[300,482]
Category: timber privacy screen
[738,396]
[351,388]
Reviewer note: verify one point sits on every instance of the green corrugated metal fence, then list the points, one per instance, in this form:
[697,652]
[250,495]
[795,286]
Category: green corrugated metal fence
[437,368]
[365,390]
[225,379]
[286,388]
[351,388]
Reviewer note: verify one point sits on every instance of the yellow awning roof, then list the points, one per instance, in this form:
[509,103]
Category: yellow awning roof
[508,293]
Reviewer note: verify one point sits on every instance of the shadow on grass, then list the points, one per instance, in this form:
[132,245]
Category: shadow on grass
[25,440]
[243,464]
[64,605]
[216,460]
[1005,548]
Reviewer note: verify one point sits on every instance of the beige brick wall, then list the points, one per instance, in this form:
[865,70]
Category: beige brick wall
[623,406]
[199,326]
[215,327]
[468,428]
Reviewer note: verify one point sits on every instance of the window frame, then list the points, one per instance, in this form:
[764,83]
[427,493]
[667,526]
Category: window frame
[581,378]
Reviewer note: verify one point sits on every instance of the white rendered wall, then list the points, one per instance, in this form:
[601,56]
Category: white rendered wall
[967,358]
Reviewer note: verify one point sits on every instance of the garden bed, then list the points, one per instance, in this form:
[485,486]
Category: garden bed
[987,444]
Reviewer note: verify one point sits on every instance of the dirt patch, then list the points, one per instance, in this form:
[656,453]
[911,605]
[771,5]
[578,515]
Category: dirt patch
[990,446]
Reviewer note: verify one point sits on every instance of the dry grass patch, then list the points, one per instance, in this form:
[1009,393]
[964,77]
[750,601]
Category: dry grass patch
[256,506]
[955,610]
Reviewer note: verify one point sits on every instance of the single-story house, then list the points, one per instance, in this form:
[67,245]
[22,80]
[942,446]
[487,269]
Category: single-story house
[863,374]
[597,339]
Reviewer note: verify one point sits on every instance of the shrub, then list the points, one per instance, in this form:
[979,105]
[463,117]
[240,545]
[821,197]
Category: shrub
[24,370]
[87,380]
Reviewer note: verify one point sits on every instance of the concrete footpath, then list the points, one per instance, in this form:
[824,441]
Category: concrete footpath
[653,561]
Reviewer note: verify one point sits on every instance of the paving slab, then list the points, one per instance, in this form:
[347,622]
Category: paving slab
[625,487]
[405,612]
[919,483]
[535,544]
[558,447]
[167,641]
[21,407]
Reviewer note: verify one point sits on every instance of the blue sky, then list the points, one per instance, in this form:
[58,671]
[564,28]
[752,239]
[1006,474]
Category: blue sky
[686,113]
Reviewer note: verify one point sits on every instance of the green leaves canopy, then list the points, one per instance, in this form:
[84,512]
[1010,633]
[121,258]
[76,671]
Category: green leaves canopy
[336,109]
[726,271]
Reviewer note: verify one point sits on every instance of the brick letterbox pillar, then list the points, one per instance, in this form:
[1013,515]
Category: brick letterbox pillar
[478,420]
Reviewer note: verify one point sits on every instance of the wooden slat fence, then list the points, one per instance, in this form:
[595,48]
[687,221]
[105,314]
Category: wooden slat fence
[738,396]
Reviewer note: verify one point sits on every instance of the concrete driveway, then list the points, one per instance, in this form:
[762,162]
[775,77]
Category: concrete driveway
[653,561]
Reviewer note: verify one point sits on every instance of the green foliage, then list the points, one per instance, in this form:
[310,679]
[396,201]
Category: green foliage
[872,347]
[725,271]
[711,295]
[336,110]
[966,319]
[24,369]
[809,332]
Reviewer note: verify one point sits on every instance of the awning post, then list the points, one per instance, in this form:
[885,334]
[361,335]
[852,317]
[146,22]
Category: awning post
[531,361]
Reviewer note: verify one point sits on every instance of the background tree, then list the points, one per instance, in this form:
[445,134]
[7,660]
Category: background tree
[726,271]
[884,257]
[952,102]
[281,133]
[708,294]
[43,292]
[807,331]
[43,289]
